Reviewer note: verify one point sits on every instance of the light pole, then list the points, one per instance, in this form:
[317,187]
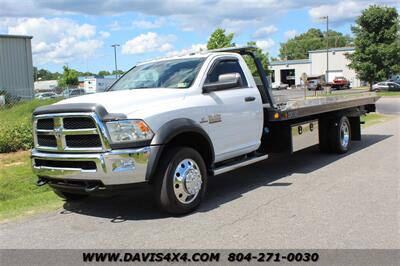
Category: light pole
[327,45]
[115,59]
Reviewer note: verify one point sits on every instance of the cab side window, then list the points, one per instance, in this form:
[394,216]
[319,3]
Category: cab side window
[225,67]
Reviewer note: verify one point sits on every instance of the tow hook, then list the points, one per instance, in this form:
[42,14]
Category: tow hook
[41,182]
[90,189]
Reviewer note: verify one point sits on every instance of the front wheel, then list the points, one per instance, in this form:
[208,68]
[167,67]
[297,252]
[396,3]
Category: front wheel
[181,180]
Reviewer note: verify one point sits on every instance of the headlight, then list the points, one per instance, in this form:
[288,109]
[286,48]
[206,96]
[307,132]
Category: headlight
[128,131]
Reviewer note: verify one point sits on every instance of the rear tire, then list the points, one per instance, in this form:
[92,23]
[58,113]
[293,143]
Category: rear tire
[340,135]
[181,180]
[69,196]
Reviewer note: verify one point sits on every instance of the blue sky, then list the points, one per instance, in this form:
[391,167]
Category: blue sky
[79,33]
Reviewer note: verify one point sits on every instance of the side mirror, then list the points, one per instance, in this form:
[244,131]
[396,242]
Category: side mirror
[225,82]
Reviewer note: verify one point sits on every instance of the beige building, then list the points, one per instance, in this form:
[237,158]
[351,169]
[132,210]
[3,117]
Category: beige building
[290,71]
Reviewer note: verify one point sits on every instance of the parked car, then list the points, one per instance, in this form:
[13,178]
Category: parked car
[340,83]
[76,92]
[46,95]
[279,86]
[395,78]
[314,84]
[386,86]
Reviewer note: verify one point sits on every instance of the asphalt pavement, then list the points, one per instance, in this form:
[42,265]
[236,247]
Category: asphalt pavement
[388,105]
[307,200]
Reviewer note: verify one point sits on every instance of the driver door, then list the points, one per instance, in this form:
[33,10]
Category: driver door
[234,115]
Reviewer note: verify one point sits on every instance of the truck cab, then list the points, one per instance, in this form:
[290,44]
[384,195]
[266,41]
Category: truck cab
[171,123]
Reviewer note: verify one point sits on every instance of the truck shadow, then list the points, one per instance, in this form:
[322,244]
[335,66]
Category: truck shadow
[139,204]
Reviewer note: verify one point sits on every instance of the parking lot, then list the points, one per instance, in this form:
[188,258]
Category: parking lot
[307,200]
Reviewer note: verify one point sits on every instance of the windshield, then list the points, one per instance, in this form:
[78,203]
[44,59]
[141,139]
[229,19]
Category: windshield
[178,73]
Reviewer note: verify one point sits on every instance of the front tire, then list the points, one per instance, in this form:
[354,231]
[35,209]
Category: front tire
[181,180]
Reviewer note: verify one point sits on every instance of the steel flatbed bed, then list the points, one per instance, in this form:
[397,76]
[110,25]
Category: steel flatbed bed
[296,106]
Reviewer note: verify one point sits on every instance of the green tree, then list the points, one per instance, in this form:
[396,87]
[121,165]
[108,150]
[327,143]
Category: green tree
[299,46]
[68,78]
[43,74]
[85,74]
[264,58]
[35,72]
[104,73]
[118,72]
[219,39]
[377,44]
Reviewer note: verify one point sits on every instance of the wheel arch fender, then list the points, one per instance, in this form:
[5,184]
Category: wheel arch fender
[171,131]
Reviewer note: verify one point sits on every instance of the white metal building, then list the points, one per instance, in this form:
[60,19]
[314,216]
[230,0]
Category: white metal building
[93,84]
[16,69]
[45,85]
[290,71]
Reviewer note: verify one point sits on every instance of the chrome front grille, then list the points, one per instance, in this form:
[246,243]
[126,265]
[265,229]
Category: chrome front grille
[78,123]
[81,141]
[47,141]
[69,133]
[45,123]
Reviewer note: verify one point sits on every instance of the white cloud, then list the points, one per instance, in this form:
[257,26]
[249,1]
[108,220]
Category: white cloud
[57,40]
[194,48]
[114,26]
[345,10]
[26,8]
[6,22]
[265,44]
[104,34]
[193,14]
[265,31]
[137,24]
[147,24]
[237,25]
[84,30]
[235,15]
[148,42]
[199,15]
[290,34]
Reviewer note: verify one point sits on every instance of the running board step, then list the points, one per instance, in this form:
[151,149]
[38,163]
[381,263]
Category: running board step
[236,165]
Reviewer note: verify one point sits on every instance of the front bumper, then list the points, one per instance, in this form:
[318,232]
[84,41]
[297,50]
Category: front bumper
[117,167]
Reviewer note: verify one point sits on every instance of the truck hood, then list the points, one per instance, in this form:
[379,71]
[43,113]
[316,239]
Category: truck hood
[129,101]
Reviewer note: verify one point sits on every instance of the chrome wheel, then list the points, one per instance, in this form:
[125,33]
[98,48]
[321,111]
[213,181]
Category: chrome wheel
[187,181]
[344,134]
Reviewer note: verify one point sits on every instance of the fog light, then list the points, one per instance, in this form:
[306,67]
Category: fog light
[123,165]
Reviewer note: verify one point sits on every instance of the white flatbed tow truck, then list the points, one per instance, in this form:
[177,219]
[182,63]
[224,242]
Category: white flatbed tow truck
[171,123]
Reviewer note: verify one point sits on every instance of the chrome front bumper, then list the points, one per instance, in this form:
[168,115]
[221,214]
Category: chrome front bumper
[116,167]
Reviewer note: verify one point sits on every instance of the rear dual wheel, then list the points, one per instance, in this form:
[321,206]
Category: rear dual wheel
[181,180]
[335,135]
[340,135]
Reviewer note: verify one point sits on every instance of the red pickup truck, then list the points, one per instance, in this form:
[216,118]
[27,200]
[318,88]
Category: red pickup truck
[340,83]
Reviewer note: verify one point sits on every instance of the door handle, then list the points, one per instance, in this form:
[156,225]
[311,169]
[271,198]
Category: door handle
[249,99]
